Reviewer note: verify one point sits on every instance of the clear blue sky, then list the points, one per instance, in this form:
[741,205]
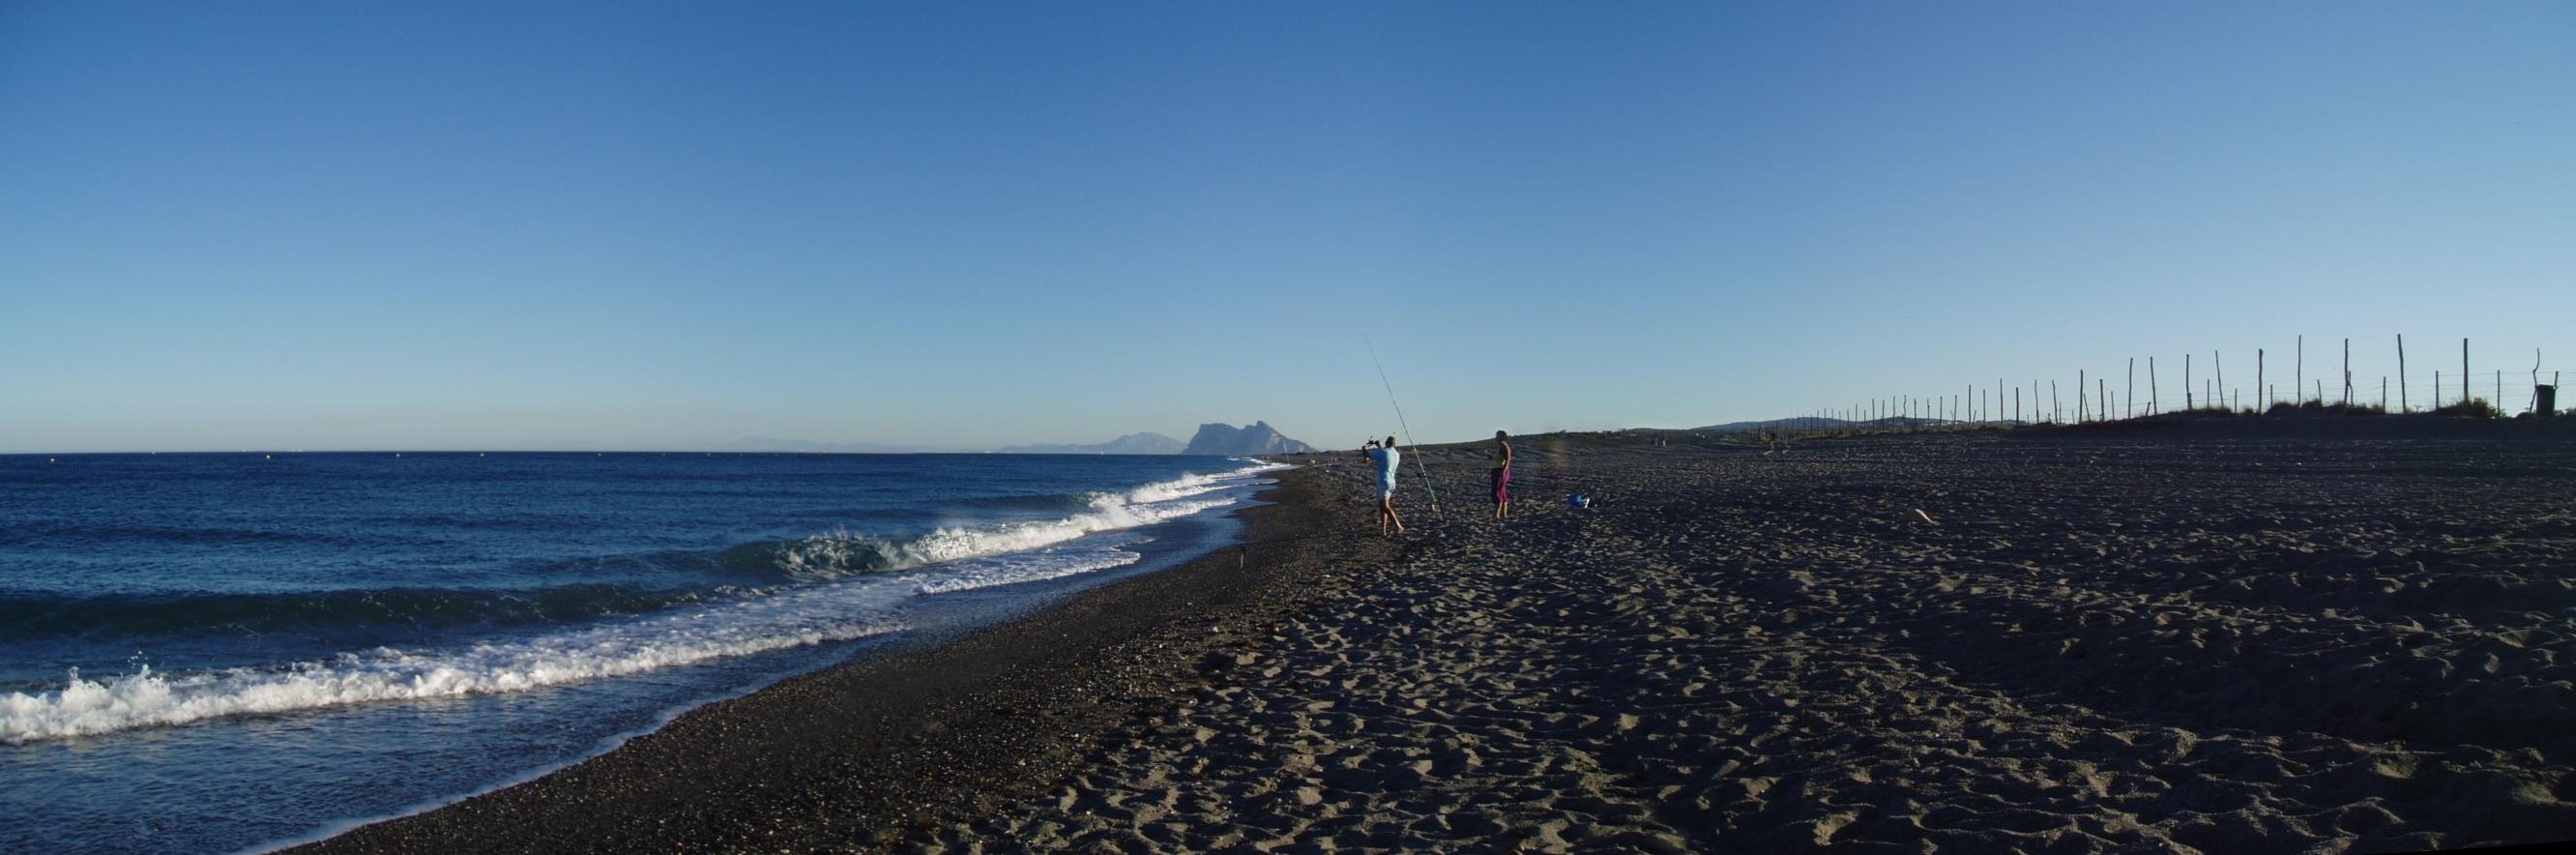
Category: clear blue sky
[653,225]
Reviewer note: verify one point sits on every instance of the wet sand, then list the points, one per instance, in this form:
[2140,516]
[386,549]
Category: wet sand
[2068,641]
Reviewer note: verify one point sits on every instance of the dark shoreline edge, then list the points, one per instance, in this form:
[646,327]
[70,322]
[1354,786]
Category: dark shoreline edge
[867,754]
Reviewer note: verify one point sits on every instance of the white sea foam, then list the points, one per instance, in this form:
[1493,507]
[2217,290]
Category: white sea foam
[1038,551]
[1180,488]
[790,618]
[950,559]
[1039,566]
[840,553]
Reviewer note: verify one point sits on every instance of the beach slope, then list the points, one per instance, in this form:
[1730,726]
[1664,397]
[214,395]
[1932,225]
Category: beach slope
[868,754]
[2052,642]
[2043,641]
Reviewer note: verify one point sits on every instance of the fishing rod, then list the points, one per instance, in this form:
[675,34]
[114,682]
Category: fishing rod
[1418,467]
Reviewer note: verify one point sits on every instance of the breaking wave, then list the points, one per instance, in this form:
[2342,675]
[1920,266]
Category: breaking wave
[144,698]
[857,587]
[842,554]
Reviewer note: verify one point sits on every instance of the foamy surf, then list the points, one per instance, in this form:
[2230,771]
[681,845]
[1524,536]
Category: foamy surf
[1037,567]
[838,554]
[147,699]
[836,605]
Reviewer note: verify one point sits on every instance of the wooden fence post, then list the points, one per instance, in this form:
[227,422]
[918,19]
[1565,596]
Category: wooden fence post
[2534,406]
[2151,386]
[2401,373]
[2221,370]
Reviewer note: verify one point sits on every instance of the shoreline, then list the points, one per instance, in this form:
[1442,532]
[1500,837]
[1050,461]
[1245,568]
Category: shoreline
[864,753]
[1952,640]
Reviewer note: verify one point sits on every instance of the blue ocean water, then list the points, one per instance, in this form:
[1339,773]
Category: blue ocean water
[217,652]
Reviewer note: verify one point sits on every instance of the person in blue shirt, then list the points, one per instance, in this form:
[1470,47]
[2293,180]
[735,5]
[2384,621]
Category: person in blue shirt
[1385,457]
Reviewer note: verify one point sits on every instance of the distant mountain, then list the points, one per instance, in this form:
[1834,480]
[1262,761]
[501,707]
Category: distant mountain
[1135,443]
[1259,438]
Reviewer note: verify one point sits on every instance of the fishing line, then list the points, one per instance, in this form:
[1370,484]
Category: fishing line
[1418,467]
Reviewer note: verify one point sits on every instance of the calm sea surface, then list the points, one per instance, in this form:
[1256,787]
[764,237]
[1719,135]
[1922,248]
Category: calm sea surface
[214,652]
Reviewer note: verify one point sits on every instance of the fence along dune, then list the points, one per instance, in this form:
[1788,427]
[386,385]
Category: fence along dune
[2453,393]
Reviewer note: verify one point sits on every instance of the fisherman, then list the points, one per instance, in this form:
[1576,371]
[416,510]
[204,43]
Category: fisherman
[1385,456]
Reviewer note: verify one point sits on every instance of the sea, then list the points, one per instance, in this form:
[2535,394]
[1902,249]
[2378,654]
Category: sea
[234,652]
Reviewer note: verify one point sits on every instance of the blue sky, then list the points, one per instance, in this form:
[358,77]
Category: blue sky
[659,225]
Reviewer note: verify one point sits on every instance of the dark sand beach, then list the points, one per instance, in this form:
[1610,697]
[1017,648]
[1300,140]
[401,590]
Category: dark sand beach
[2205,639]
